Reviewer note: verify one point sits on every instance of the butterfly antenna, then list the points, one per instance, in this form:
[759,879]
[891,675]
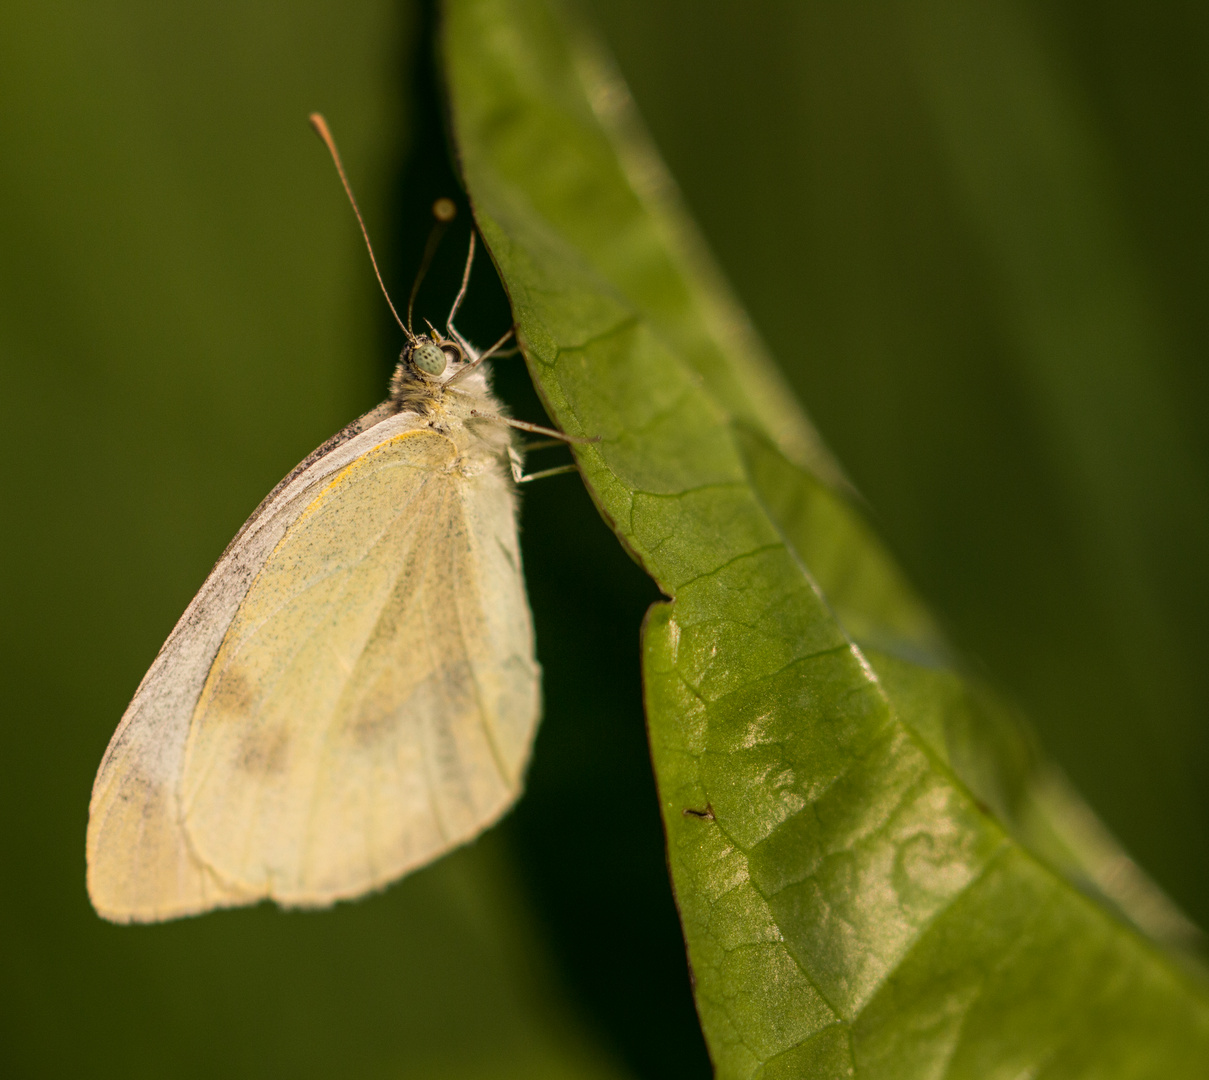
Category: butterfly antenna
[444,210]
[321,129]
[457,300]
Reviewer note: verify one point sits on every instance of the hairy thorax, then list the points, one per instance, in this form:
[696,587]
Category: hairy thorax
[466,411]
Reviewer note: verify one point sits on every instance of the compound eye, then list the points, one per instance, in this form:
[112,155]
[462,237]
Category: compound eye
[453,354]
[429,357]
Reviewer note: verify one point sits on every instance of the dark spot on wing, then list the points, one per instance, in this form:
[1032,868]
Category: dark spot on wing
[374,721]
[265,752]
[233,696]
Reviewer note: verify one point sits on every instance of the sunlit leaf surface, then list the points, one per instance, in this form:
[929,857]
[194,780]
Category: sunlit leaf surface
[876,873]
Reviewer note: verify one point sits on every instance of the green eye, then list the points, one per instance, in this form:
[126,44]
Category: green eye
[429,358]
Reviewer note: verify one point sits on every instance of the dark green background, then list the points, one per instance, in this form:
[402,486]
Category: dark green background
[975,236]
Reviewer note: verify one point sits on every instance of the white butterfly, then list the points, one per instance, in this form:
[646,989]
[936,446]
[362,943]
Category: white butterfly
[353,692]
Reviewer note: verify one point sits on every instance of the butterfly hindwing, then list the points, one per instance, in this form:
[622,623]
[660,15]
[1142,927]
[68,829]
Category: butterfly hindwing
[374,699]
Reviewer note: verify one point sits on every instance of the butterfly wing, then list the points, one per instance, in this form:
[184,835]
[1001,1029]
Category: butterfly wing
[374,699]
[352,692]
[140,864]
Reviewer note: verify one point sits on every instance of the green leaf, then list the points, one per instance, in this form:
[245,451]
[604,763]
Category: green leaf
[876,872]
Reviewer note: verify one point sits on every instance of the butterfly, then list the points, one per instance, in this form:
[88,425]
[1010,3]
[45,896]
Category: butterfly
[354,690]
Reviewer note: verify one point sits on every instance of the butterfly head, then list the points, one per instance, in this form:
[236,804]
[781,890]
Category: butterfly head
[431,356]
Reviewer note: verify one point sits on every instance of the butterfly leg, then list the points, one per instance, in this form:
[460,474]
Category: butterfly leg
[521,477]
[537,429]
[493,351]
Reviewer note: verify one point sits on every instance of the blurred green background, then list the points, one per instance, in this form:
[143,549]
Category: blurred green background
[974,235]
